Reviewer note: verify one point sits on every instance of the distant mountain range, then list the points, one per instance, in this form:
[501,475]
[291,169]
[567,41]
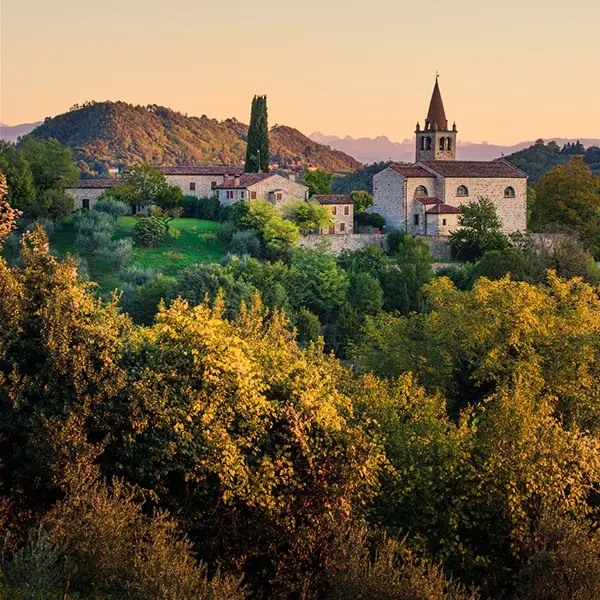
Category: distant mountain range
[371,150]
[105,135]
[13,133]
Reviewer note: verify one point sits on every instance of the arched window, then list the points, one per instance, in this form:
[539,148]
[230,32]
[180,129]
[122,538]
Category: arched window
[427,143]
[449,144]
[442,144]
[422,143]
[509,192]
[462,191]
[421,191]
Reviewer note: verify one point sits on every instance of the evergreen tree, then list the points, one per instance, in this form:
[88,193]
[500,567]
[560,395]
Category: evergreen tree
[257,152]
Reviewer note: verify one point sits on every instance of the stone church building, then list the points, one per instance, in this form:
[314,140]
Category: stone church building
[425,198]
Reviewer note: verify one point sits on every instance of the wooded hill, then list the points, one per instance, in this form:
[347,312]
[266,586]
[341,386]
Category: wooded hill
[117,134]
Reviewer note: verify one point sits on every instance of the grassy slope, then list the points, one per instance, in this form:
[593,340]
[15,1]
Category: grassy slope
[169,258]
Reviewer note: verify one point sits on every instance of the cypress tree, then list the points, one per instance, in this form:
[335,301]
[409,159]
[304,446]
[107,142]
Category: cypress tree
[258,137]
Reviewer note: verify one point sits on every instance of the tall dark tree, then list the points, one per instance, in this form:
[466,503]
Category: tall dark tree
[257,152]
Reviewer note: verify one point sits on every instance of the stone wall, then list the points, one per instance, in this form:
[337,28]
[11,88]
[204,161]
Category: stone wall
[341,223]
[512,211]
[81,195]
[263,189]
[204,184]
[439,246]
[388,197]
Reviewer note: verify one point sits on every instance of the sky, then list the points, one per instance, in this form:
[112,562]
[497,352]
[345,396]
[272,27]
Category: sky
[509,71]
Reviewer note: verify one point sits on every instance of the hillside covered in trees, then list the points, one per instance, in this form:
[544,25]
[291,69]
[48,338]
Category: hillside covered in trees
[116,134]
[540,158]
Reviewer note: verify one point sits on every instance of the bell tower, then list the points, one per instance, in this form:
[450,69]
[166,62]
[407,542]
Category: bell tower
[436,141]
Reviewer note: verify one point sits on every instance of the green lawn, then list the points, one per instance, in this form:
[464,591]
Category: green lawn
[170,258]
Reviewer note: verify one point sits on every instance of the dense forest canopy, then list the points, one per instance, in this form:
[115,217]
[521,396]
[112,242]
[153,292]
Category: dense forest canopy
[116,134]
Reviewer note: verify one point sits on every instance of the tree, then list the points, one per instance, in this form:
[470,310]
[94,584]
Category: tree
[480,231]
[310,217]
[257,151]
[8,214]
[143,186]
[308,327]
[322,285]
[168,204]
[22,192]
[496,264]
[278,235]
[365,294]
[569,195]
[318,182]
[362,200]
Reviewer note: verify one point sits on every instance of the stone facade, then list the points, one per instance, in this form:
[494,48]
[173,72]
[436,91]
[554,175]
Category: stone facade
[86,194]
[273,188]
[341,209]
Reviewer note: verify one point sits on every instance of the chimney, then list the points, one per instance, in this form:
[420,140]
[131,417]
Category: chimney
[236,181]
[226,179]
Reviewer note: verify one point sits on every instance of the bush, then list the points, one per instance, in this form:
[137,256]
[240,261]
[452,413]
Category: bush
[205,208]
[118,253]
[112,207]
[498,263]
[138,275]
[308,327]
[226,231]
[246,243]
[374,220]
[149,232]
[94,231]
[142,302]
[394,240]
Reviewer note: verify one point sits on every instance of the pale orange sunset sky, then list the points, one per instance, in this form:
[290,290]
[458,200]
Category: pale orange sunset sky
[510,70]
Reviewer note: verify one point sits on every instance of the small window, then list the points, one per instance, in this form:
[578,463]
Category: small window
[334,210]
[509,192]
[230,194]
[422,143]
[279,196]
[213,184]
[462,191]
[449,144]
[443,221]
[421,191]
[442,144]
[427,143]
[192,186]
[416,220]
[342,226]
[346,210]
[85,204]
[242,195]
[332,229]
[252,195]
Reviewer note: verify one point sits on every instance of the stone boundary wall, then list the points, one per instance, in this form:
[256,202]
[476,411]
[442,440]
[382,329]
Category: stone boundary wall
[440,248]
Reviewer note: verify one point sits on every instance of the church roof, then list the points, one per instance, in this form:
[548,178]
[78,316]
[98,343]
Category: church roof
[437,114]
[412,171]
[474,169]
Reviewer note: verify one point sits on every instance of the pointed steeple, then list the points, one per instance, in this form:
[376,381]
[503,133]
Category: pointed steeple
[436,117]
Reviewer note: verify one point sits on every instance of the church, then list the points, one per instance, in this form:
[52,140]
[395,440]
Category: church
[425,198]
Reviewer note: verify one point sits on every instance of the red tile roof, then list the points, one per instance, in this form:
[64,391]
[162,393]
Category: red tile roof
[211,170]
[443,209]
[425,200]
[96,184]
[412,171]
[473,168]
[331,199]
[246,180]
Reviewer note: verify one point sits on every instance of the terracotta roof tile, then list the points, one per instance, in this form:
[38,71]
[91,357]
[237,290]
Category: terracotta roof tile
[473,168]
[412,171]
[425,200]
[443,209]
[331,199]
[96,184]
[210,170]
[246,180]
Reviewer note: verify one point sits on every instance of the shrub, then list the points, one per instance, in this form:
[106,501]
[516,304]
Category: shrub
[149,232]
[308,327]
[142,303]
[374,220]
[226,231]
[112,207]
[394,240]
[120,253]
[246,242]
[138,275]
[94,231]
[205,208]
[310,217]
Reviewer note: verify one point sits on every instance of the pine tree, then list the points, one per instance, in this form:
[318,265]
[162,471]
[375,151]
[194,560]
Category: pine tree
[257,152]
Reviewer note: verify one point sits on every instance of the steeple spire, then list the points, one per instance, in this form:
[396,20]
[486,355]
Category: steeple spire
[436,117]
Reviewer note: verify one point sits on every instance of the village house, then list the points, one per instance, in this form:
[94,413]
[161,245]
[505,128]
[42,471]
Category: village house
[260,186]
[425,198]
[341,209]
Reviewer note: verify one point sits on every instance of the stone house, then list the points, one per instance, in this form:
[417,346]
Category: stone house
[342,213]
[260,186]
[425,198]
[88,191]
